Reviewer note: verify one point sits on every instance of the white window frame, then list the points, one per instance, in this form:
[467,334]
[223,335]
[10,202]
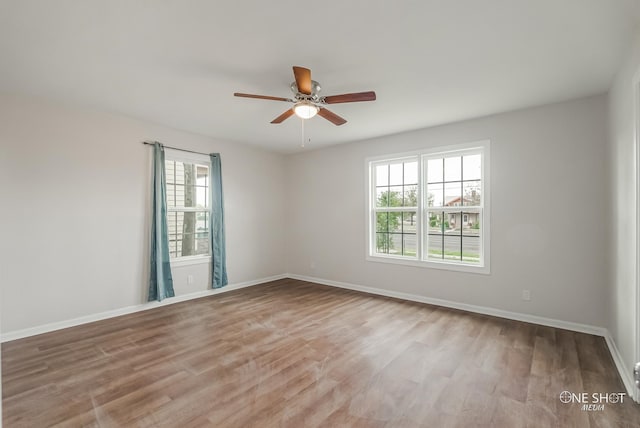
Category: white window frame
[187,157]
[482,147]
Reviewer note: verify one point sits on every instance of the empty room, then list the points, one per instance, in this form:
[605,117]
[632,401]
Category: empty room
[320,214]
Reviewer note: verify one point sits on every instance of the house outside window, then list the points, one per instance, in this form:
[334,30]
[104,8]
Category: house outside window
[188,206]
[431,208]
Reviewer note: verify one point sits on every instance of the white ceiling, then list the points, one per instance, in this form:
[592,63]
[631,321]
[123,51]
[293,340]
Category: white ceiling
[429,61]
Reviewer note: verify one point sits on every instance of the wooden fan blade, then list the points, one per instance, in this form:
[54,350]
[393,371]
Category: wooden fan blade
[331,116]
[350,98]
[284,116]
[261,97]
[303,79]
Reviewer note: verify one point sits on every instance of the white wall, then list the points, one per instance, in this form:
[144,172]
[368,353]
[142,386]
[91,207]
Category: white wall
[624,258]
[549,184]
[74,191]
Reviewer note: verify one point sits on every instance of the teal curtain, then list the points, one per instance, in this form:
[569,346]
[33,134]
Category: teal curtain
[216,226]
[160,279]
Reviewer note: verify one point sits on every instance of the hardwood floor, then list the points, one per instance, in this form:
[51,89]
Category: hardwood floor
[295,354]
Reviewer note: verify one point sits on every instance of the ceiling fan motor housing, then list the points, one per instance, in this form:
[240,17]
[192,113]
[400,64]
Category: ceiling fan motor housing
[315,92]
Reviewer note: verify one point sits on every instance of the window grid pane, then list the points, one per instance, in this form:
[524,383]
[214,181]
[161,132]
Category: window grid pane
[187,184]
[396,186]
[188,233]
[454,235]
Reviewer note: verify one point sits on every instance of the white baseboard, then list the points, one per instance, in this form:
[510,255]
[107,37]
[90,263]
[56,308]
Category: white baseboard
[19,334]
[533,319]
[626,376]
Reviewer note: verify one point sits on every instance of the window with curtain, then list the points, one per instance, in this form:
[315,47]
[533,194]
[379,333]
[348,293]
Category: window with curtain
[188,181]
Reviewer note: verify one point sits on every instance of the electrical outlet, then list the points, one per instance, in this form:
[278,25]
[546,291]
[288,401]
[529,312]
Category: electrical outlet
[312,265]
[190,279]
[526,295]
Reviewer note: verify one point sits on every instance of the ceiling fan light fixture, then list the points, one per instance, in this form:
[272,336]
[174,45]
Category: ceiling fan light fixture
[305,109]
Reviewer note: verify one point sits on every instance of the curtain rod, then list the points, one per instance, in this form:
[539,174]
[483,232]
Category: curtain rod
[152,143]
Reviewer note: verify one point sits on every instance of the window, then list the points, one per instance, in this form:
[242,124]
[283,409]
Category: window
[396,205]
[188,207]
[431,208]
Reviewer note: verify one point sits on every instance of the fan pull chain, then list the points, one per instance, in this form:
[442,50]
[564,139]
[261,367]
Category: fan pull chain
[308,140]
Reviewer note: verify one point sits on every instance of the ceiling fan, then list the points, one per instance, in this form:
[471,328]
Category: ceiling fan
[307,99]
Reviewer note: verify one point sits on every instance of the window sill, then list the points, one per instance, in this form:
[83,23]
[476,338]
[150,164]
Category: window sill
[188,261]
[456,267]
